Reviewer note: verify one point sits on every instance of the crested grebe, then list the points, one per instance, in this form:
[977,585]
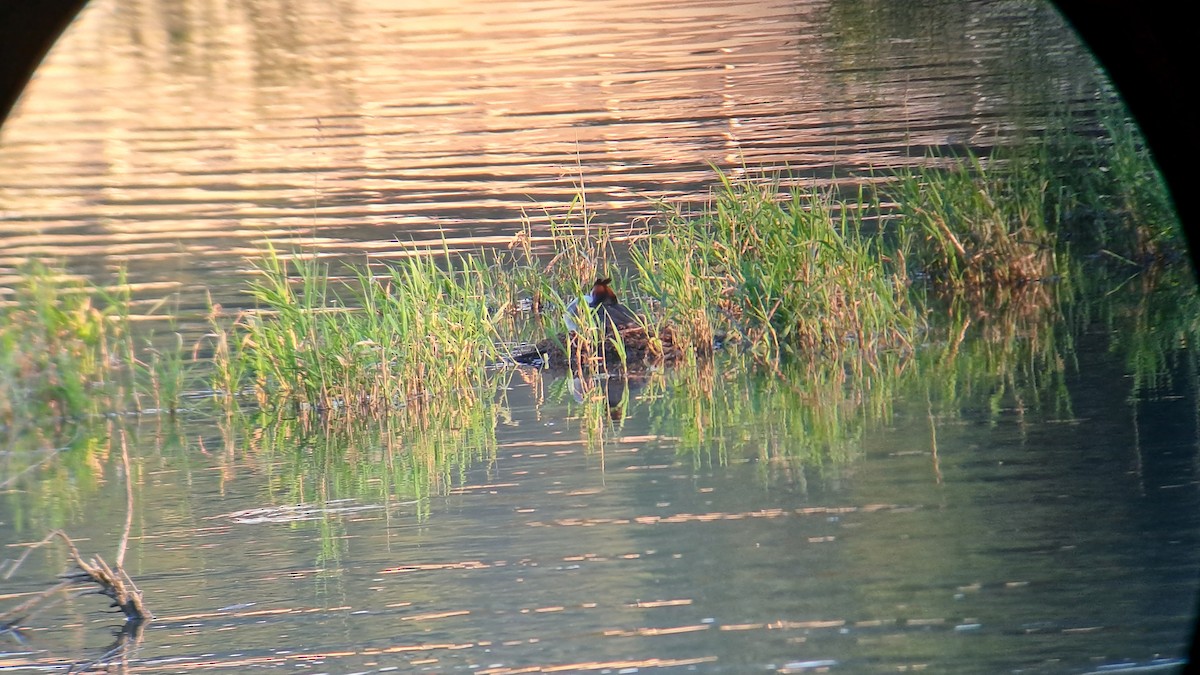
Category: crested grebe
[610,312]
[641,344]
[571,316]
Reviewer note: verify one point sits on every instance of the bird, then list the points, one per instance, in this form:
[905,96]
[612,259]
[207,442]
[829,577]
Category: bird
[641,345]
[571,317]
[612,315]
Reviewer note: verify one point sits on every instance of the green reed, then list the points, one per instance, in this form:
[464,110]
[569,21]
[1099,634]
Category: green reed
[367,343]
[824,330]
[1109,195]
[1147,215]
[66,348]
[975,224]
[578,252]
[228,371]
[545,272]
[166,371]
[782,272]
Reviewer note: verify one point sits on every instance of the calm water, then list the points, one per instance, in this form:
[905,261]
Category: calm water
[1039,513]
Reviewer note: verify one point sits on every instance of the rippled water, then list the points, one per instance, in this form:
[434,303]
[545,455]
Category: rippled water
[174,137]
[981,532]
[1019,543]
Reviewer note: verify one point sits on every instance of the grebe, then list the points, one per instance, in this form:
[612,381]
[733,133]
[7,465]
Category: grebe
[627,341]
[609,311]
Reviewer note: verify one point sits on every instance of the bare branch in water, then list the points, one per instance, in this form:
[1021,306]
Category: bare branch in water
[115,584]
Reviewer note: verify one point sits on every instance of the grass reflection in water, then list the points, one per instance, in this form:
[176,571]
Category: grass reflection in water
[964,281]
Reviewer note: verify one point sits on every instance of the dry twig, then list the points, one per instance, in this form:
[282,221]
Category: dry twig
[115,584]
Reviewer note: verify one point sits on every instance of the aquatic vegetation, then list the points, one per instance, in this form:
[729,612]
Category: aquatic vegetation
[950,275]
[542,274]
[335,467]
[803,422]
[604,336]
[974,225]
[66,348]
[54,344]
[597,404]
[44,479]
[789,277]
[778,274]
[1109,196]
[1149,224]
[1153,322]
[367,346]
[52,478]
[227,372]
[1014,357]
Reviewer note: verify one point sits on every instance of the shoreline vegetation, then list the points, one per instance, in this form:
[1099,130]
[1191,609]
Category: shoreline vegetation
[782,277]
[954,289]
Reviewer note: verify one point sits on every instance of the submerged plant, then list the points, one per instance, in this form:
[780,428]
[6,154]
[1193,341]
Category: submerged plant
[1155,329]
[800,423]
[408,457]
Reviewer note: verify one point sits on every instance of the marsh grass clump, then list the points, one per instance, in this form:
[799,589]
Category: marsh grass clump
[55,344]
[1111,196]
[67,348]
[979,227]
[365,343]
[782,272]
[975,225]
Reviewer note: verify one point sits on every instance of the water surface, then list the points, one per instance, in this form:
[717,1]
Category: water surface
[1024,502]
[175,137]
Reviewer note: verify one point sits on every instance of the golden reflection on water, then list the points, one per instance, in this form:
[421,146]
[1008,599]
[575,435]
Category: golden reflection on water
[178,135]
[536,558]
